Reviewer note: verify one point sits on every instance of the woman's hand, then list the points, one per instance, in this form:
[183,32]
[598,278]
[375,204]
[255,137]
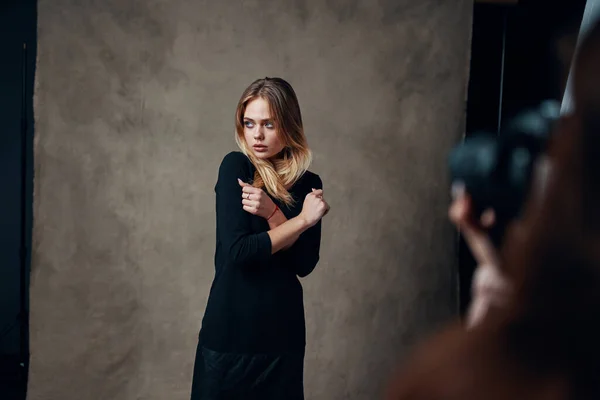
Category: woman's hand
[256,201]
[314,207]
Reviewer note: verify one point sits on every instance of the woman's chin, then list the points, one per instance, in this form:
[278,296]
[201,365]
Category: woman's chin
[262,155]
[267,155]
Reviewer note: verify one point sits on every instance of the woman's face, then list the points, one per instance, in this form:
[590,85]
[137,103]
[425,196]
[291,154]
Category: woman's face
[259,130]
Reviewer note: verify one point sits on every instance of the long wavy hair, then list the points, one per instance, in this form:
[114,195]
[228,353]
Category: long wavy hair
[277,175]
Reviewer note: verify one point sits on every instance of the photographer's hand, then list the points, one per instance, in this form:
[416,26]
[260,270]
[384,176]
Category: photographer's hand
[489,287]
[474,232]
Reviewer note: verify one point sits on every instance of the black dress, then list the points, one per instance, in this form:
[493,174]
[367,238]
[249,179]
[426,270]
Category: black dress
[252,340]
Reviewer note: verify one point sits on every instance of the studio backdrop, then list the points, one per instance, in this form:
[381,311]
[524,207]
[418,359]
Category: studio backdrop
[134,110]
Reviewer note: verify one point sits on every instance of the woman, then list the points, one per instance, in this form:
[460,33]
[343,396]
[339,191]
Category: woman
[269,209]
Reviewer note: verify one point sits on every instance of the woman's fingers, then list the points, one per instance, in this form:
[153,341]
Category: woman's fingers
[251,193]
[251,190]
[246,185]
[250,206]
[321,202]
[318,193]
[247,188]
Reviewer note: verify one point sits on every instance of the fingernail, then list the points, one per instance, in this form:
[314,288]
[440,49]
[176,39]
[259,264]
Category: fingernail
[457,190]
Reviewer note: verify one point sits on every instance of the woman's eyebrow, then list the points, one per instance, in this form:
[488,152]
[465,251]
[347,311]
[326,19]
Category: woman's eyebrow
[261,120]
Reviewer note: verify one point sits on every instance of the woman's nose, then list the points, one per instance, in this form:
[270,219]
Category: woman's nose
[258,133]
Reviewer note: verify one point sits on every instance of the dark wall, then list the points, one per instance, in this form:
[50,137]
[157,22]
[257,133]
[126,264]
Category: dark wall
[17,58]
[537,33]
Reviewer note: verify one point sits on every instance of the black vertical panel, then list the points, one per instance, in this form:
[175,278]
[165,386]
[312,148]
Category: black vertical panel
[486,67]
[484,101]
[10,184]
[17,70]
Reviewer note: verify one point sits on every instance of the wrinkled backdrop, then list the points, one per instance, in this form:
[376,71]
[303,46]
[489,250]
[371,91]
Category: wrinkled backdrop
[134,106]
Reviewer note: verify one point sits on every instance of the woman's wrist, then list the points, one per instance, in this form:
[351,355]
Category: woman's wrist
[275,209]
[276,219]
[303,223]
[286,234]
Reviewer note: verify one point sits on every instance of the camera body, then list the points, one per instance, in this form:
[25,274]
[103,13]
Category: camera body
[496,169]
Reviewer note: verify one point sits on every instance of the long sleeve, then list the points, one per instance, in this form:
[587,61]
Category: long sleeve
[303,256]
[233,223]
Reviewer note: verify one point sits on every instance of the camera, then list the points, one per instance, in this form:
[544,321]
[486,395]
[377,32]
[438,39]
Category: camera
[496,168]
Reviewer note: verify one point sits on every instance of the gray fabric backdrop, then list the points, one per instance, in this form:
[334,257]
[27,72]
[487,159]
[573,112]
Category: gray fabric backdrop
[134,108]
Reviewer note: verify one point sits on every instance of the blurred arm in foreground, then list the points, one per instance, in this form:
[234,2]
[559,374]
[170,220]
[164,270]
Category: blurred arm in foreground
[544,343]
[490,288]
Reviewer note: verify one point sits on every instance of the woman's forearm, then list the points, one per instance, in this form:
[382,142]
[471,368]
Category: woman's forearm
[278,219]
[284,235]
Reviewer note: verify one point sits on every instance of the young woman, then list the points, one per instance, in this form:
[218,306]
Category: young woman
[269,209]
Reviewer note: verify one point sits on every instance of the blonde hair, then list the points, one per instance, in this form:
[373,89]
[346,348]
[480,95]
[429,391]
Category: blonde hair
[275,176]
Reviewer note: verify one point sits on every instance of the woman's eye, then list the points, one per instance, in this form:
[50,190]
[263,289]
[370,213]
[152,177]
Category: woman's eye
[270,125]
[248,124]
